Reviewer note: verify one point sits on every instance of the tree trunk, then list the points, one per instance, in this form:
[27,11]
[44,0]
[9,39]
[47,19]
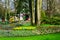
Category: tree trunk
[38,8]
[35,12]
[8,10]
[5,10]
[31,6]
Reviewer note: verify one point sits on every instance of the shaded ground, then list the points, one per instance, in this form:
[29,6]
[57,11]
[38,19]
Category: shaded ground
[12,25]
[55,36]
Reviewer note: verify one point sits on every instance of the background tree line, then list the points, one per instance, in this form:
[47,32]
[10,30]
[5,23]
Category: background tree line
[35,8]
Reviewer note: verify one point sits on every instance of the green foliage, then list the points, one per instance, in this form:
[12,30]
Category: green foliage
[12,14]
[23,6]
[4,23]
[43,17]
[54,20]
[43,14]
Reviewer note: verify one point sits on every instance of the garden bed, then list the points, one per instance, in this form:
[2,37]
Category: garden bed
[47,30]
[26,32]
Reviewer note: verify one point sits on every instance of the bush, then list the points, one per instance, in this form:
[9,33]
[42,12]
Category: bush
[54,20]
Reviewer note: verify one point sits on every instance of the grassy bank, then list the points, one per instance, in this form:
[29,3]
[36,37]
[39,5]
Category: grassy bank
[55,36]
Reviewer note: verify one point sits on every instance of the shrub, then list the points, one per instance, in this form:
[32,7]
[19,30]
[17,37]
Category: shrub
[54,20]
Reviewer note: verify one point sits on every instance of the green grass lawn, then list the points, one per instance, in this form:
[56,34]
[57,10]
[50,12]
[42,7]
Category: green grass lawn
[47,25]
[55,36]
